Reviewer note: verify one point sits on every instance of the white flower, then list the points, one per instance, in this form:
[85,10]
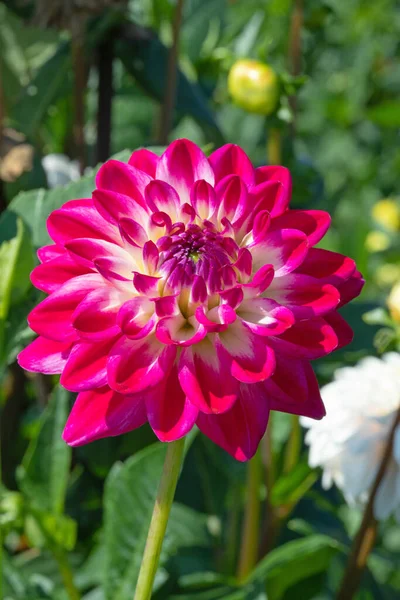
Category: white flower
[60,170]
[361,404]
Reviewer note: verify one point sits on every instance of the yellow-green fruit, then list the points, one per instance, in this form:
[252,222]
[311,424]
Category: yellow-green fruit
[254,86]
[387,213]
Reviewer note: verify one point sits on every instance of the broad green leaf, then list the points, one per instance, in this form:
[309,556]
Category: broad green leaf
[43,475]
[16,262]
[129,496]
[199,16]
[47,530]
[385,114]
[14,584]
[290,487]
[293,562]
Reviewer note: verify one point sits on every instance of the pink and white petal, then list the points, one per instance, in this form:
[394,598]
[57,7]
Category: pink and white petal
[103,413]
[86,251]
[310,339]
[240,429]
[327,266]
[114,206]
[293,388]
[232,160]
[285,250]
[304,295]
[231,193]
[180,331]
[136,365]
[44,356]
[116,270]
[171,415]
[136,317]
[351,288]
[181,165]
[132,232]
[276,174]
[95,318]
[314,223]
[144,160]
[47,253]
[253,359]
[342,329]
[203,199]
[52,318]
[264,316]
[161,197]
[77,219]
[86,366]
[205,376]
[51,275]
[123,179]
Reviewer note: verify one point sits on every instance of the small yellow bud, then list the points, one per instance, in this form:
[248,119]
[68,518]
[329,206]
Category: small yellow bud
[387,214]
[377,241]
[254,86]
[393,302]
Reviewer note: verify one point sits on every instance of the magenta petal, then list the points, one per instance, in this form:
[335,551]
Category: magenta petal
[181,165]
[305,296]
[314,223]
[327,266]
[285,250]
[265,317]
[52,274]
[293,388]
[47,253]
[121,178]
[313,338]
[161,197]
[170,414]
[351,288]
[102,413]
[136,365]
[77,219]
[86,367]
[144,160]
[342,329]
[85,251]
[95,318]
[114,206]
[205,377]
[203,199]
[276,174]
[240,429]
[232,160]
[44,356]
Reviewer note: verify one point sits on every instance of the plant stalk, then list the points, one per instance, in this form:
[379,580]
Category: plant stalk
[79,68]
[251,524]
[365,538]
[294,57]
[159,519]
[274,146]
[167,109]
[105,54]
[66,574]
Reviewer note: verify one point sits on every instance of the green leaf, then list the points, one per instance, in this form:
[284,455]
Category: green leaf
[292,486]
[129,496]
[16,262]
[385,114]
[43,475]
[45,530]
[293,562]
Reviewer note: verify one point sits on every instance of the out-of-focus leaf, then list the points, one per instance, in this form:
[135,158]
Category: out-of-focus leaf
[16,262]
[146,60]
[45,529]
[14,583]
[292,562]
[198,15]
[385,114]
[290,487]
[245,42]
[43,475]
[129,497]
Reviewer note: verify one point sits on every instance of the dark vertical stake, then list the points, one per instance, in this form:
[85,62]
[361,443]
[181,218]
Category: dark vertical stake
[167,109]
[295,50]
[79,68]
[105,54]
[3,203]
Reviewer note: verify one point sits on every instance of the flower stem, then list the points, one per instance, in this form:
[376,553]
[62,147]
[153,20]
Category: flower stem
[66,574]
[274,143]
[159,519]
[365,538]
[251,525]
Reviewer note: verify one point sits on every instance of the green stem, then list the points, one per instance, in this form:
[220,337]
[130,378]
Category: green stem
[66,574]
[251,525]
[159,519]
[274,146]
[293,447]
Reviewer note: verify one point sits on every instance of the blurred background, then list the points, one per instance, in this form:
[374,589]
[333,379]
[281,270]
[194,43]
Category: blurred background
[312,85]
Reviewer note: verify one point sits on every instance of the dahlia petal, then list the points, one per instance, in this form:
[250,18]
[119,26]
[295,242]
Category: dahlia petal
[231,194]
[171,415]
[144,160]
[314,223]
[86,366]
[285,250]
[146,284]
[123,179]
[351,288]
[52,317]
[342,329]
[278,174]
[44,356]
[114,206]
[304,295]
[252,359]
[232,160]
[95,318]
[293,388]
[264,196]
[136,317]
[181,165]
[313,338]
[132,232]
[264,316]
[327,266]
[205,377]
[135,365]
[203,199]
[52,274]
[47,253]
[79,219]
[85,251]
[102,413]
[178,330]
[240,429]
[161,197]
[115,269]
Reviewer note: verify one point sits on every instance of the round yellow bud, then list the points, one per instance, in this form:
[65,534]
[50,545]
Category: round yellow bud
[387,213]
[377,241]
[254,86]
[393,302]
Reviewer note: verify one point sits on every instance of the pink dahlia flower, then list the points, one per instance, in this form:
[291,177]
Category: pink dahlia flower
[185,292]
